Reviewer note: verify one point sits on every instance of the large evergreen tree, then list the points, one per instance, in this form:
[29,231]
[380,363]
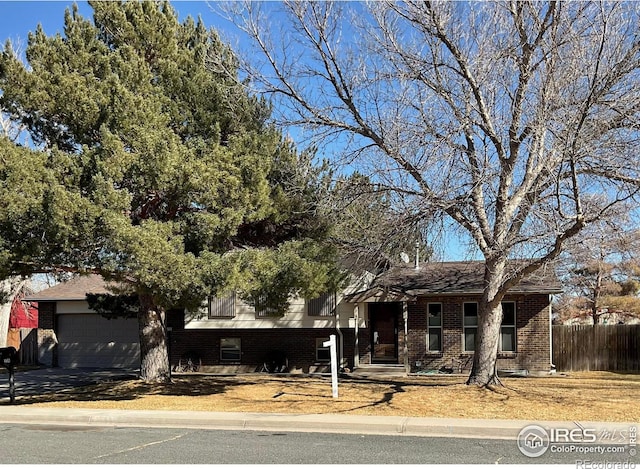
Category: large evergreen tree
[153,166]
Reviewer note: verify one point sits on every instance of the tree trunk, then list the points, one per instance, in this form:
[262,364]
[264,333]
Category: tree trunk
[9,287]
[154,356]
[483,371]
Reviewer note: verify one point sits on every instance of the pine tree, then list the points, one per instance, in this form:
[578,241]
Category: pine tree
[153,166]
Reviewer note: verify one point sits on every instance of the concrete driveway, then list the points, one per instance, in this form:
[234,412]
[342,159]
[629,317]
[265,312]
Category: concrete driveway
[46,380]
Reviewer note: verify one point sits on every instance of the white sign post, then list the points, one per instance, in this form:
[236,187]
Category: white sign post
[331,343]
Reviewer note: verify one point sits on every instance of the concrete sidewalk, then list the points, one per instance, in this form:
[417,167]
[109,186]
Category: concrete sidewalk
[325,423]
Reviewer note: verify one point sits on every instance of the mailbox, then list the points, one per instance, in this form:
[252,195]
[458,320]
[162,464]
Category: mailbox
[8,357]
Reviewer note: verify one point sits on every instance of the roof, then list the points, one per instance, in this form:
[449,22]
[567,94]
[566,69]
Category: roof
[74,289]
[447,278]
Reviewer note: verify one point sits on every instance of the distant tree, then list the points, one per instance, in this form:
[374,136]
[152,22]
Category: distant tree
[515,120]
[153,166]
[600,272]
[370,228]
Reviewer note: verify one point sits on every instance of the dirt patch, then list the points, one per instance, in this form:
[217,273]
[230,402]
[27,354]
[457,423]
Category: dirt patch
[579,396]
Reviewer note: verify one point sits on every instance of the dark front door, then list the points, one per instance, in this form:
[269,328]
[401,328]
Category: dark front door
[383,318]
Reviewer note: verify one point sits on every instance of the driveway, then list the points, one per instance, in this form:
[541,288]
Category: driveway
[46,380]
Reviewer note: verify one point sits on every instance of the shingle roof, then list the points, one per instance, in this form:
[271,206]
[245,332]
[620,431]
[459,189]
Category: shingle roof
[448,278]
[74,289]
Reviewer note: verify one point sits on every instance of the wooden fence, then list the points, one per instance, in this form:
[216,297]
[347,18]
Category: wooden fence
[596,348]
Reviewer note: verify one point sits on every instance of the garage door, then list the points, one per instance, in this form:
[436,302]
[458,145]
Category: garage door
[91,341]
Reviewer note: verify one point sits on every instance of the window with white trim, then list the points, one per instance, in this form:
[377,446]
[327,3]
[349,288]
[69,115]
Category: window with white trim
[469,326]
[434,327]
[508,337]
[323,354]
[222,307]
[230,349]
[324,305]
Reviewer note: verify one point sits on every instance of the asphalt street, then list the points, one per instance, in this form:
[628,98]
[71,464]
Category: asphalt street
[117,445]
[68,436]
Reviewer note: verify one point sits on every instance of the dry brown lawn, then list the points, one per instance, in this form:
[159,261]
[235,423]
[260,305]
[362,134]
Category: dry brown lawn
[594,396]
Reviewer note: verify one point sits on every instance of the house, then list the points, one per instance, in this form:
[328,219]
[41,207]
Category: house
[427,318]
[420,319]
[71,335]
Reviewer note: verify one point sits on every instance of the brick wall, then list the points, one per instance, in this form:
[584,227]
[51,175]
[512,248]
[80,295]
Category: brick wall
[532,329]
[47,340]
[46,314]
[299,345]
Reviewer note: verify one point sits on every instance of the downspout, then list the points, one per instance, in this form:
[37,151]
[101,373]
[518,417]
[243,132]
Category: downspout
[356,348]
[553,367]
[405,319]
[341,349]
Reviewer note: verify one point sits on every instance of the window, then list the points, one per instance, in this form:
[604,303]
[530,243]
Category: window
[230,349]
[434,327]
[324,305]
[470,326]
[264,311]
[222,307]
[508,328]
[323,354]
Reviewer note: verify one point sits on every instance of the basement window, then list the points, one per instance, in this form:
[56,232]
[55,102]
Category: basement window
[230,349]
[323,354]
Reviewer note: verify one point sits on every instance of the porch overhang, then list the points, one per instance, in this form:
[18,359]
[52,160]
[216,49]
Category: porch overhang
[379,295]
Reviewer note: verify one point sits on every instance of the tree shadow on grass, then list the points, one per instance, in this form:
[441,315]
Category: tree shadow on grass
[128,390]
[396,386]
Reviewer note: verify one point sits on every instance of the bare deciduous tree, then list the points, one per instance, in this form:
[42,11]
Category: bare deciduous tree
[517,120]
[599,269]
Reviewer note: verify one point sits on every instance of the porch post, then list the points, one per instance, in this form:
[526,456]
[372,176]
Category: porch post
[356,351]
[405,351]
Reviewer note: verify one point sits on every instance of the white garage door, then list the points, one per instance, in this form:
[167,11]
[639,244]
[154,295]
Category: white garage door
[91,341]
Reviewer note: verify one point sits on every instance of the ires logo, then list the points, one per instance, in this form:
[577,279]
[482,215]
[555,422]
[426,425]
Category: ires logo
[534,440]
[574,435]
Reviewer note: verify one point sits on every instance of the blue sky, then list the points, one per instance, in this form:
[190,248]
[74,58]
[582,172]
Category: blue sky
[17,18]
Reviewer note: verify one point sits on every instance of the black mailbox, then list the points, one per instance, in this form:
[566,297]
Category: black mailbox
[8,356]
[9,359]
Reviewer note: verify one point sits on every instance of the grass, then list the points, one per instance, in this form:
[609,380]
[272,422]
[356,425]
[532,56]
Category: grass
[594,396]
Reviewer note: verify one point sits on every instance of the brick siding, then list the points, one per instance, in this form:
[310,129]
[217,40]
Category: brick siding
[299,345]
[46,314]
[47,341]
[532,330]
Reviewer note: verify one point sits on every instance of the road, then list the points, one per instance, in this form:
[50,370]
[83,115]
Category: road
[52,444]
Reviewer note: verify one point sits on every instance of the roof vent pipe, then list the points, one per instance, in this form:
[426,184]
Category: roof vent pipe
[417,255]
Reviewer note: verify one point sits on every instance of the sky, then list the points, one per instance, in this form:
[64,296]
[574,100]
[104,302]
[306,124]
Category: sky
[18,18]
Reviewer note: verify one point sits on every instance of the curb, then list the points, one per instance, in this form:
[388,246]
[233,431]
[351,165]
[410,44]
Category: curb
[325,423]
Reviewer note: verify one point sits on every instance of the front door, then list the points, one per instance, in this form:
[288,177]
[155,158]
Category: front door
[383,318]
